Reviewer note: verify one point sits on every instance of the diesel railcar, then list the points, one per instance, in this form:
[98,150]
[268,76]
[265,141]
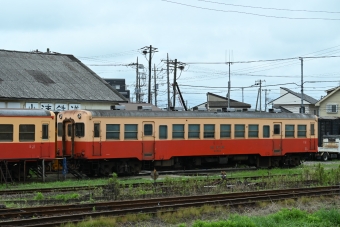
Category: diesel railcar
[26,136]
[104,141]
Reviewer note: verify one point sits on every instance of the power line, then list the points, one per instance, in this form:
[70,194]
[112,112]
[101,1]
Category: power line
[253,14]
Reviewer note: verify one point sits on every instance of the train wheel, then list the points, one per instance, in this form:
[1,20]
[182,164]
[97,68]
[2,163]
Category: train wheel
[325,157]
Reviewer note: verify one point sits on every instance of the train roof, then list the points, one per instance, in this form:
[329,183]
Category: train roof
[194,114]
[25,113]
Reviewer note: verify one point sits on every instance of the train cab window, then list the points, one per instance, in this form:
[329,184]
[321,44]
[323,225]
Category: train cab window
[6,132]
[194,131]
[312,130]
[163,131]
[277,129]
[225,131]
[96,130]
[253,131]
[131,131]
[209,131]
[148,130]
[45,131]
[80,129]
[239,131]
[266,131]
[112,131]
[289,130]
[26,132]
[60,129]
[302,130]
[178,131]
[69,129]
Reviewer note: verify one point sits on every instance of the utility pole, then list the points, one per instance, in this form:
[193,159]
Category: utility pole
[259,82]
[302,109]
[154,81]
[229,82]
[174,85]
[137,93]
[168,81]
[149,50]
[265,98]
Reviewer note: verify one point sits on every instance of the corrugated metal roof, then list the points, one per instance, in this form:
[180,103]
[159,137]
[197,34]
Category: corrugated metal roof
[194,114]
[48,76]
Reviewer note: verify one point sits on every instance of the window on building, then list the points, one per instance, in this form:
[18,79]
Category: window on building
[302,130]
[117,86]
[178,131]
[253,131]
[332,108]
[148,130]
[289,130]
[266,131]
[194,131]
[6,132]
[26,132]
[225,131]
[112,131]
[163,131]
[239,131]
[96,130]
[44,131]
[131,131]
[209,131]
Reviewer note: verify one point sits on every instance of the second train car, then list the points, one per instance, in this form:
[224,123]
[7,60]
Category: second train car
[104,141]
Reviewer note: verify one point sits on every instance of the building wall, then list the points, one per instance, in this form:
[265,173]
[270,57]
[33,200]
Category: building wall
[214,98]
[57,105]
[333,100]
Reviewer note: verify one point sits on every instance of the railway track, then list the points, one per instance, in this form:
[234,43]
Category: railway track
[57,215]
[72,189]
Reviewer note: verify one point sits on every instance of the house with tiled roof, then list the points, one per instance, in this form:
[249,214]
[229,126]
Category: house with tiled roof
[52,81]
[220,103]
[290,101]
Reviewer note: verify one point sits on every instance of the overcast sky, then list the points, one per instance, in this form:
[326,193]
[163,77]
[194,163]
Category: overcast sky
[192,31]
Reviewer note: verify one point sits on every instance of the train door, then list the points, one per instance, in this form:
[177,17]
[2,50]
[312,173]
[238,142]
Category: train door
[96,139]
[148,140]
[277,138]
[68,137]
[45,146]
[312,136]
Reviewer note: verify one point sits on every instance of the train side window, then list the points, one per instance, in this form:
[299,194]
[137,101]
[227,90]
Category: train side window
[131,131]
[26,132]
[239,131]
[194,131]
[6,132]
[277,130]
[112,131]
[148,130]
[69,129]
[209,131]
[60,129]
[266,130]
[80,129]
[178,131]
[163,131]
[225,131]
[253,131]
[96,130]
[45,131]
[289,130]
[312,129]
[302,130]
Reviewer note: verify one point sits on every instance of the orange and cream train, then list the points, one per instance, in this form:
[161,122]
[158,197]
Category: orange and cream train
[100,142]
